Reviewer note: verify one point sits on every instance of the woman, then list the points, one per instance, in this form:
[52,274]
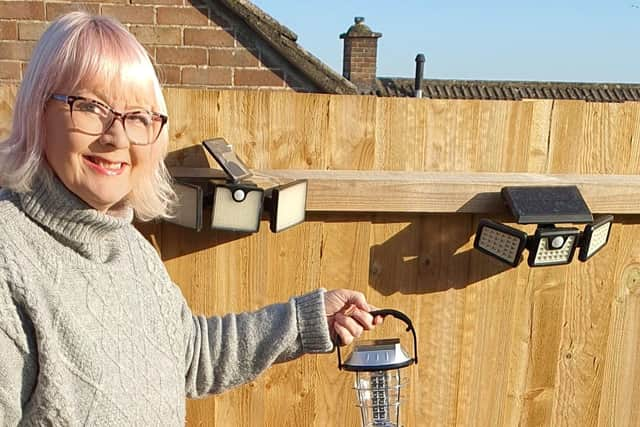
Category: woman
[92,330]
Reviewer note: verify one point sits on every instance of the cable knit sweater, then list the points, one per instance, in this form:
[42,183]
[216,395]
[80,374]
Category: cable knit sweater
[94,332]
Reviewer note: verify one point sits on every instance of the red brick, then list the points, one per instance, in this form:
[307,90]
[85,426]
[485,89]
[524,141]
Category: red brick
[156,34]
[207,76]
[257,78]
[31,30]
[16,50]
[182,16]
[10,70]
[168,74]
[181,55]
[151,50]
[8,30]
[233,58]
[130,14]
[208,37]
[55,10]
[22,9]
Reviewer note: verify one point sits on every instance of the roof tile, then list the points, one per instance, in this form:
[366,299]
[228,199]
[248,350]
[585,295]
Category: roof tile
[512,90]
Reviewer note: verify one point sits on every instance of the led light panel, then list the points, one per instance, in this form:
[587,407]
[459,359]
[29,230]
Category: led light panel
[235,213]
[287,205]
[553,246]
[595,237]
[500,241]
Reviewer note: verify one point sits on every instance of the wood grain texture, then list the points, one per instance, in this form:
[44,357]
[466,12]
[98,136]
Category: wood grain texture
[498,346]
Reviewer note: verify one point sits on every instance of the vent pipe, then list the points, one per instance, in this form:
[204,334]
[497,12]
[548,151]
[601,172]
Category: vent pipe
[419,75]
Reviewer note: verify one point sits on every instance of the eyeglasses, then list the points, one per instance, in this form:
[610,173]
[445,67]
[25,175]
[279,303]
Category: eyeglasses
[94,117]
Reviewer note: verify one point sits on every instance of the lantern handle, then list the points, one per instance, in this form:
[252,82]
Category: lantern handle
[388,312]
[400,315]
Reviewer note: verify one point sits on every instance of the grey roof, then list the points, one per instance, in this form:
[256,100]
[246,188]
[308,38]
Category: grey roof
[284,41]
[508,90]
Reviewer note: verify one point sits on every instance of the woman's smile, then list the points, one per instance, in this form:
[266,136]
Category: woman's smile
[104,166]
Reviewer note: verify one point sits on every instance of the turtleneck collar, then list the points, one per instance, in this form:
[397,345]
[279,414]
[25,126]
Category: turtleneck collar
[53,206]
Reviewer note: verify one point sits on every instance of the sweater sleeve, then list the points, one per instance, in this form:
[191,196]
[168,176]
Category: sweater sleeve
[223,352]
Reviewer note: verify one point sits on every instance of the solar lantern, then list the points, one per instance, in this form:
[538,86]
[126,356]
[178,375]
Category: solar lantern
[377,365]
[550,245]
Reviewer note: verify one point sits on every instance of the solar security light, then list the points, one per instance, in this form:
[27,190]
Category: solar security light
[378,381]
[238,197]
[501,241]
[595,237]
[236,207]
[286,205]
[549,245]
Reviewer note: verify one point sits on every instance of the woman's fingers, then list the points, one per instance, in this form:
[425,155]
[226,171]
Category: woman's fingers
[348,327]
[365,319]
[345,337]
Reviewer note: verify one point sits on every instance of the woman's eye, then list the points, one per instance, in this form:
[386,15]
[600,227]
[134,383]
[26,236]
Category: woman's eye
[90,107]
[139,119]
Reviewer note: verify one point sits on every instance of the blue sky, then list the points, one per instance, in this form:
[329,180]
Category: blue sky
[580,41]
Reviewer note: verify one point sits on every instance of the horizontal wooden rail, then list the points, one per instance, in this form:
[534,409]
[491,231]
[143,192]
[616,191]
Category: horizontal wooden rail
[438,192]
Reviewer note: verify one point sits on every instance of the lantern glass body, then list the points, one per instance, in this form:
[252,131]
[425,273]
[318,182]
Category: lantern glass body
[379,397]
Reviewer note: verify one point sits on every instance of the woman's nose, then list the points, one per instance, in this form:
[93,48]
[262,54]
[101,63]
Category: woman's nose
[115,135]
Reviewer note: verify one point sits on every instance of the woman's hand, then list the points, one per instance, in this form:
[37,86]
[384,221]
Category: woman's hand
[348,314]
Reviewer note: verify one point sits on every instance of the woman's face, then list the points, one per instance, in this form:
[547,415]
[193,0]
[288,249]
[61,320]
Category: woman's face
[100,169]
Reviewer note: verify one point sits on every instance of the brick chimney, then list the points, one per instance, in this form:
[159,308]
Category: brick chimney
[360,54]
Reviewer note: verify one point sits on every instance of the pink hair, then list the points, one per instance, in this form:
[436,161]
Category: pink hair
[81,49]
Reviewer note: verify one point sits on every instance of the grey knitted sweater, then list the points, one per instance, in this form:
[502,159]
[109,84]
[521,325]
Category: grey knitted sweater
[94,332]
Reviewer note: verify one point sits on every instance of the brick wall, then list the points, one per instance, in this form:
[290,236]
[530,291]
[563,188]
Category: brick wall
[191,42]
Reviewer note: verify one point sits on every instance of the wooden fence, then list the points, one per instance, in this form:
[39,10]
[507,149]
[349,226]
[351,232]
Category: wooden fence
[498,347]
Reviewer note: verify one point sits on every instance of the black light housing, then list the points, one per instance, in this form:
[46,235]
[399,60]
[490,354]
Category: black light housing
[189,207]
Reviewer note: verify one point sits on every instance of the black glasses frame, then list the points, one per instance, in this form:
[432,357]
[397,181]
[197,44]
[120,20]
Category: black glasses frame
[116,115]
